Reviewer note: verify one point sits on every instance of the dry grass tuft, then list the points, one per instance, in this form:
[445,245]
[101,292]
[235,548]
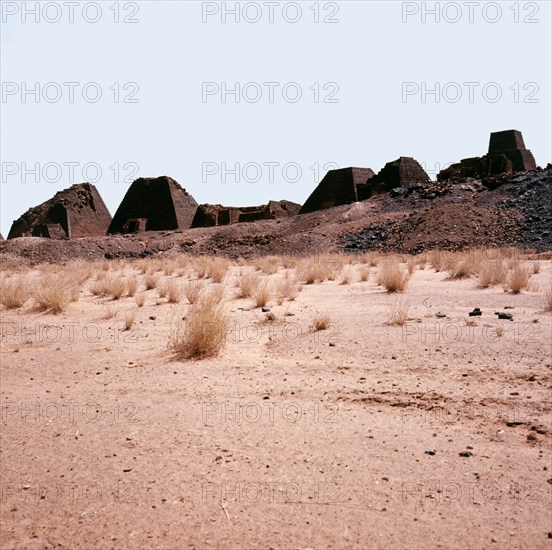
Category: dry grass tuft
[247,284]
[518,279]
[174,292]
[203,333]
[193,290]
[217,269]
[151,281]
[262,294]
[115,287]
[319,269]
[321,322]
[536,267]
[346,277]
[131,286]
[492,273]
[268,264]
[54,293]
[398,313]
[392,276]
[140,299]
[129,318]
[287,289]
[14,292]
[461,266]
[411,264]
[364,273]
[109,311]
[372,259]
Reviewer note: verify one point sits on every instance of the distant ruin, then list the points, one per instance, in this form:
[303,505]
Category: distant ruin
[342,186]
[404,172]
[78,211]
[210,215]
[154,204]
[507,154]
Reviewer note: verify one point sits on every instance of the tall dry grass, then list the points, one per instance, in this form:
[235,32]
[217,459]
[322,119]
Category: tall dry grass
[364,272]
[393,276]
[262,294]
[268,264]
[247,284]
[14,292]
[193,290]
[203,333]
[287,289]
[492,273]
[320,322]
[54,293]
[317,269]
[518,279]
[397,313]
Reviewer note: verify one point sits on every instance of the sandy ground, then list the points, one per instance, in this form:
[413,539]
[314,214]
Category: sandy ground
[289,439]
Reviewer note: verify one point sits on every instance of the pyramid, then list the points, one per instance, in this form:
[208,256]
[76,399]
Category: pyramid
[510,144]
[342,186]
[78,211]
[403,172]
[507,154]
[154,204]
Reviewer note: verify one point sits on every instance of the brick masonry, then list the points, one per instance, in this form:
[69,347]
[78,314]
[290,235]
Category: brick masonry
[343,186]
[154,204]
[78,211]
[403,172]
[507,154]
[209,215]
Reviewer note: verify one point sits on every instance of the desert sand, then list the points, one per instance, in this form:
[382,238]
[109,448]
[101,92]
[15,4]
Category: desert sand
[289,437]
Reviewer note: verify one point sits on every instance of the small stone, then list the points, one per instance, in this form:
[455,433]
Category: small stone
[152,318]
[429,452]
[265,309]
[465,454]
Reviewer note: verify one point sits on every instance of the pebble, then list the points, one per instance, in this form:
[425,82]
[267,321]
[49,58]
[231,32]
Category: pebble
[430,452]
[465,454]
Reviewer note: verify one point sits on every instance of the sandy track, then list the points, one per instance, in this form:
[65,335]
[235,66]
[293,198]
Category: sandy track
[289,439]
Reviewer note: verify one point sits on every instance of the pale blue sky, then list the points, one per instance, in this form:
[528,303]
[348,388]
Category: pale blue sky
[170,52]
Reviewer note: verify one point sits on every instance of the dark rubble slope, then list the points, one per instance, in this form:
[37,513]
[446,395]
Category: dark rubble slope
[501,211]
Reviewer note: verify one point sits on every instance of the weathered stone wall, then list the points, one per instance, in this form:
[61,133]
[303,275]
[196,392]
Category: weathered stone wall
[338,187]
[78,211]
[161,201]
[209,215]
